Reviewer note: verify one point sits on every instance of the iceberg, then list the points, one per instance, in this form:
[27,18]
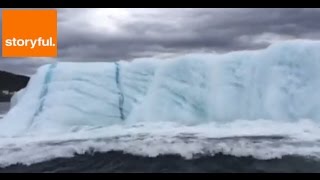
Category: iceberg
[280,83]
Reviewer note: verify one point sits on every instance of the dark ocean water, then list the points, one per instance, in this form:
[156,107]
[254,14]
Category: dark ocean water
[119,162]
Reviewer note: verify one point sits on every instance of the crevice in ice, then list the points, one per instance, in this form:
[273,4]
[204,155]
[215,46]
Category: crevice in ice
[121,98]
[44,91]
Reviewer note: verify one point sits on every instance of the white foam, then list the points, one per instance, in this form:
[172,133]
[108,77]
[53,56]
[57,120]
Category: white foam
[154,139]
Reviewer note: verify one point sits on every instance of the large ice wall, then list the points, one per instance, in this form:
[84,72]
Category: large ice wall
[280,83]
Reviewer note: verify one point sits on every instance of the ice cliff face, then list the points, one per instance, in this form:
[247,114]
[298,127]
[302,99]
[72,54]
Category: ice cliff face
[281,83]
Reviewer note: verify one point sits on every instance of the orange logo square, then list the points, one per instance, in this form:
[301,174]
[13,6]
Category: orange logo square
[29,33]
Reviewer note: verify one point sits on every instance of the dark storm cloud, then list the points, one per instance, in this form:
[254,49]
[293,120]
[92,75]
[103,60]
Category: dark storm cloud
[183,30]
[110,35]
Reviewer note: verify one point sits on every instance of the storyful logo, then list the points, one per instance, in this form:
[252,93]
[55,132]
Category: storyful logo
[29,33]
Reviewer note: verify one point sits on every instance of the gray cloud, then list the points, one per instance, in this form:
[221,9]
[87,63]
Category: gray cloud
[109,35]
[182,30]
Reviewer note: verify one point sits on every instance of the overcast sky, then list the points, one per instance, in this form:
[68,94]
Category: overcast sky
[124,34]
